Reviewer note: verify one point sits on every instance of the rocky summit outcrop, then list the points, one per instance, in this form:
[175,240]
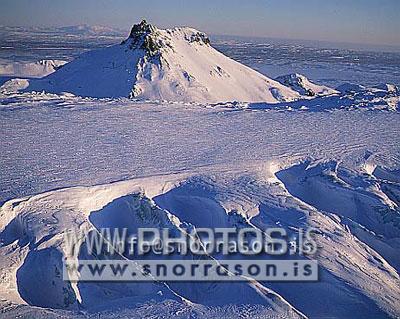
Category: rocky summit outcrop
[146,37]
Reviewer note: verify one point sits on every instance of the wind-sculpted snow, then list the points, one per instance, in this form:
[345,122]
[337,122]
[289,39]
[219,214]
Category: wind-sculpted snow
[353,258]
[336,172]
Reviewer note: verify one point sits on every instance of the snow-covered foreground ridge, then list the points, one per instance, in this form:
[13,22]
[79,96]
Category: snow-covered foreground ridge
[355,214]
[202,170]
[175,64]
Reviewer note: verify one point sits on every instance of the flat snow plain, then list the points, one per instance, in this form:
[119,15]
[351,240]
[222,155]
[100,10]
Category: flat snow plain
[51,142]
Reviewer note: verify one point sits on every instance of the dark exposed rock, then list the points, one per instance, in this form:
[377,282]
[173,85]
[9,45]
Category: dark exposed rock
[141,29]
[199,37]
[151,46]
[147,37]
[310,92]
[144,36]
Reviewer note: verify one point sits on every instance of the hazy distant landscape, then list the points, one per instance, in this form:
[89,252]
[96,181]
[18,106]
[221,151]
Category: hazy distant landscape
[320,61]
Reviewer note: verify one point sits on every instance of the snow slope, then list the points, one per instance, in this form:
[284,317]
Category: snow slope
[176,64]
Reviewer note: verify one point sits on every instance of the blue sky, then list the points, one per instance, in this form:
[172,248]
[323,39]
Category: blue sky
[357,21]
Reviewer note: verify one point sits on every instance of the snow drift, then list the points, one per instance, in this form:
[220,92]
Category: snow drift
[357,237]
[175,64]
[304,86]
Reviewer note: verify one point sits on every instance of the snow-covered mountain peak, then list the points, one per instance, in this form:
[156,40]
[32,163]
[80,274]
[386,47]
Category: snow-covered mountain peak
[176,64]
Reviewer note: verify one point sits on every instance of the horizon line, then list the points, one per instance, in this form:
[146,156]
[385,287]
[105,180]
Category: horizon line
[395,47]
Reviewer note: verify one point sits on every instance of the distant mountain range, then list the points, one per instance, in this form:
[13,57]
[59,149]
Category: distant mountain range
[81,30]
